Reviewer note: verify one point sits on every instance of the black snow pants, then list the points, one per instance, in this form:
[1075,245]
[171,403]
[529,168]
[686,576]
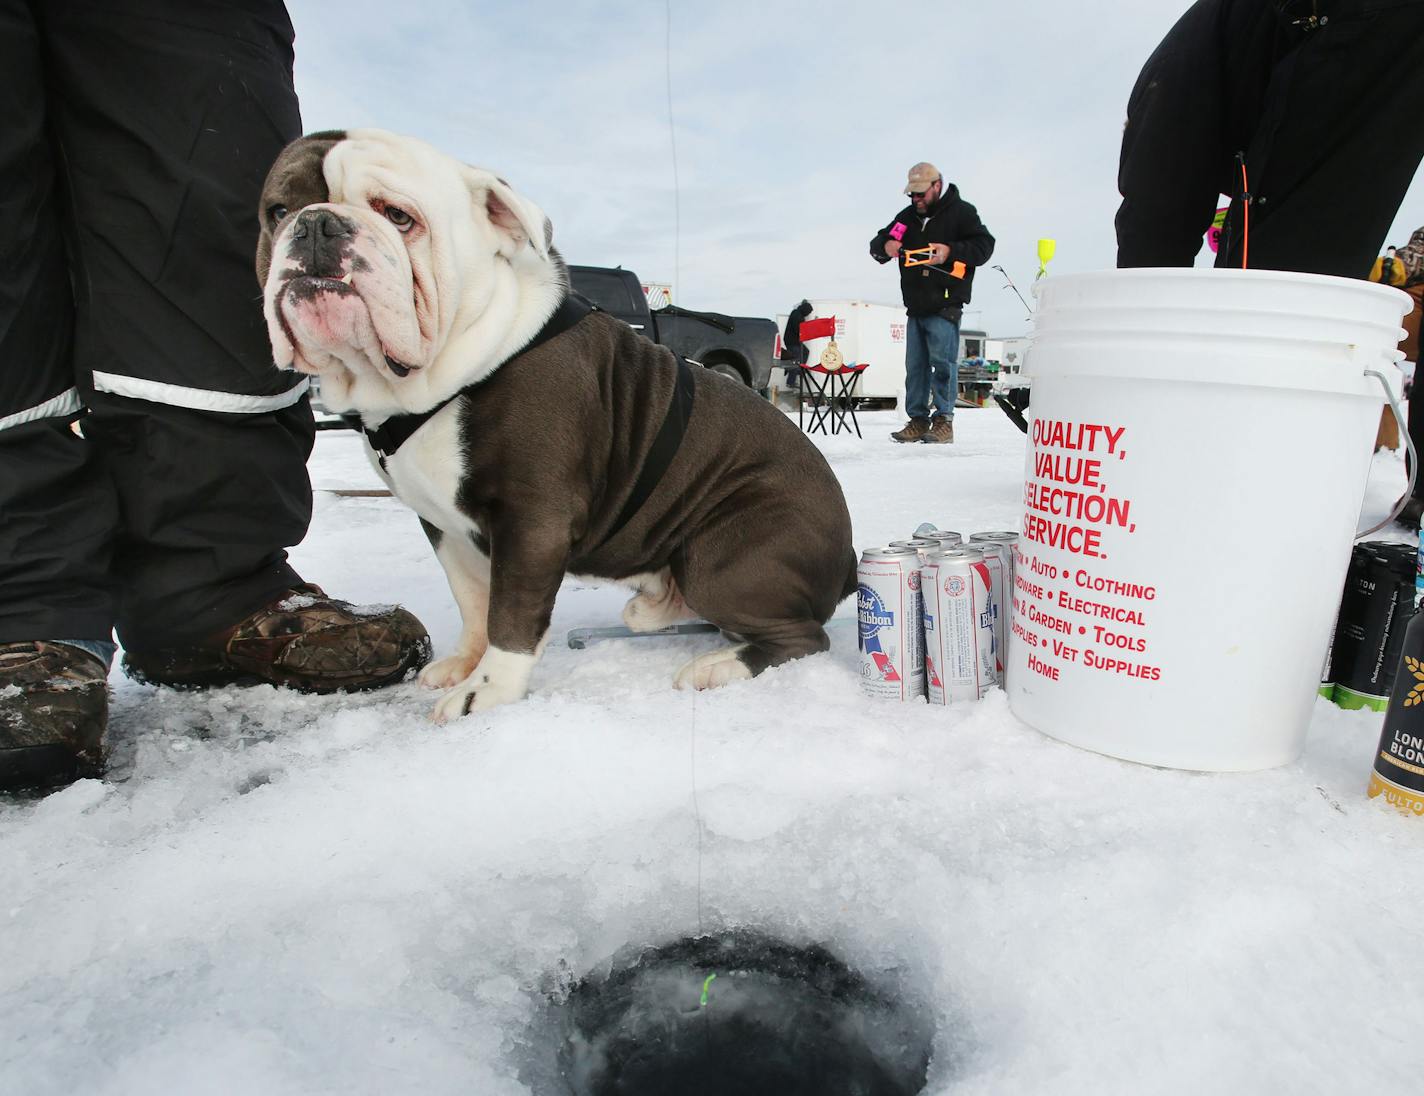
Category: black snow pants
[1322,98]
[152,459]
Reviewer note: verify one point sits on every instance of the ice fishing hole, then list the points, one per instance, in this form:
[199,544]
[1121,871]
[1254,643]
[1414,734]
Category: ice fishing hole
[739,1013]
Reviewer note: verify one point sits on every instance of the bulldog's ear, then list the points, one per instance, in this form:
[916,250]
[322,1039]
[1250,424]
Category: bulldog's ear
[516,218]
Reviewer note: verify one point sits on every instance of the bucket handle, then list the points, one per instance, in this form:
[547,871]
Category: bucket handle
[1413,456]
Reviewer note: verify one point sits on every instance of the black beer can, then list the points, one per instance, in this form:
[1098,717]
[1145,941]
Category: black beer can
[1374,613]
[1398,774]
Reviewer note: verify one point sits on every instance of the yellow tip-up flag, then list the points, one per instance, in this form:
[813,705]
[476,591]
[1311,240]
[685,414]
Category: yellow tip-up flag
[1045,256]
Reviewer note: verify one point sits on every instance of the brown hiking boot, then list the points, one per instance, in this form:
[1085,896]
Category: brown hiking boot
[54,705]
[303,640]
[941,431]
[913,430]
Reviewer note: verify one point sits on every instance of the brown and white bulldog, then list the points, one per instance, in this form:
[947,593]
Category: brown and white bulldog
[536,438]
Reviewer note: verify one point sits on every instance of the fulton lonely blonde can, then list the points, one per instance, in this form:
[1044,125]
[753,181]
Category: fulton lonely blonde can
[889,607]
[959,630]
[1398,774]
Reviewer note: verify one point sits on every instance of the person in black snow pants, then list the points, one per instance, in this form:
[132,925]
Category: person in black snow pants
[1303,112]
[152,458]
[952,241]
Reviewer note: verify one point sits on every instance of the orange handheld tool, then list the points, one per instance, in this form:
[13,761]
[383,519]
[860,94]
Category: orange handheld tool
[921,256]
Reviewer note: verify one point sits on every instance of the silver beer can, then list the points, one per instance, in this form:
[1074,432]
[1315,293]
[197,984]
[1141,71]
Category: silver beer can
[959,627]
[1009,540]
[996,558]
[889,607]
[947,537]
[921,545]
[1009,543]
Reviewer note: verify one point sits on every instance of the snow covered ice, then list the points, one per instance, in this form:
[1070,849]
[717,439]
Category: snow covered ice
[286,894]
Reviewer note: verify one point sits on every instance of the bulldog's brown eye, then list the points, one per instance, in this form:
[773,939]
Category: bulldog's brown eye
[276,213]
[399,217]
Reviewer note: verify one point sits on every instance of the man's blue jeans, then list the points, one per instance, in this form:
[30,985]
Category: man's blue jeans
[931,362]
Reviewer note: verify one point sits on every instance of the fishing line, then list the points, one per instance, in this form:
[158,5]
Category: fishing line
[676,281]
[672,140]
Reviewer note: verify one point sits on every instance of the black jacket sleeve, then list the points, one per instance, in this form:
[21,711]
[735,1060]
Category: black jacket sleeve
[881,238]
[877,245]
[971,242]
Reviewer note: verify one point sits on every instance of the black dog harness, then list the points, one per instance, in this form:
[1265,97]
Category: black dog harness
[387,438]
[396,430]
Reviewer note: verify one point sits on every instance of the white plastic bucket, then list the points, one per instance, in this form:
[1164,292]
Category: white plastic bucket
[1173,605]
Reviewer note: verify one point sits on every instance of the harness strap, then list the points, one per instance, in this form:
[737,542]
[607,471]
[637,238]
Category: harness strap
[387,438]
[663,449]
[396,430]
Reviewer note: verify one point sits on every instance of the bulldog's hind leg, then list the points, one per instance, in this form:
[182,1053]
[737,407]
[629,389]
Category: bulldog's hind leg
[714,669]
[773,591]
[467,568]
[657,604]
[781,643]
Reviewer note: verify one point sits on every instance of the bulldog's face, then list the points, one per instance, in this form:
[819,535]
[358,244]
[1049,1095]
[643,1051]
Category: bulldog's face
[379,255]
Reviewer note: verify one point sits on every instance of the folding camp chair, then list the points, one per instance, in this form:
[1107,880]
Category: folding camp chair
[829,391]
[827,384]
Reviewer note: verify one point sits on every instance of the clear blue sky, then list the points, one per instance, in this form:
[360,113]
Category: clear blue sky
[795,124]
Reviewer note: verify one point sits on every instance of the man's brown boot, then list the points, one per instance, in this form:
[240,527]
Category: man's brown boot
[913,430]
[54,705]
[303,640]
[941,431]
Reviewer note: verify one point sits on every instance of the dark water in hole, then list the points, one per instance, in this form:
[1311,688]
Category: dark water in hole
[779,1020]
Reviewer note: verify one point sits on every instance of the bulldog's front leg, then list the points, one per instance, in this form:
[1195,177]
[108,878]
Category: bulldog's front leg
[467,568]
[526,568]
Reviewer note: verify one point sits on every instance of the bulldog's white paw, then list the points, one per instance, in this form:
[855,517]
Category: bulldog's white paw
[448,671]
[502,677]
[713,669]
[657,605]
[475,694]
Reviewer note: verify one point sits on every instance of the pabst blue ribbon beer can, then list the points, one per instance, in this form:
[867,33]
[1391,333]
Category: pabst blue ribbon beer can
[959,629]
[889,605]
[996,558]
[1008,545]
[1010,541]
[946,537]
[920,545]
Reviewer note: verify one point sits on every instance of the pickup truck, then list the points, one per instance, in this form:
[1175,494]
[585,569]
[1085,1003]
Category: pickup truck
[740,347]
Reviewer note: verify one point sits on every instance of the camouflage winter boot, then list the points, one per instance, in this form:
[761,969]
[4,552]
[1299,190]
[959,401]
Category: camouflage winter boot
[913,430]
[303,640]
[941,431]
[54,706]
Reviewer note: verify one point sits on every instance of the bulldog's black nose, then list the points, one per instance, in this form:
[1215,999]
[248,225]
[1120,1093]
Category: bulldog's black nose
[321,222]
[321,242]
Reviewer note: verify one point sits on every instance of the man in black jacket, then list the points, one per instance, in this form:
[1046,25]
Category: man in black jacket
[935,292]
